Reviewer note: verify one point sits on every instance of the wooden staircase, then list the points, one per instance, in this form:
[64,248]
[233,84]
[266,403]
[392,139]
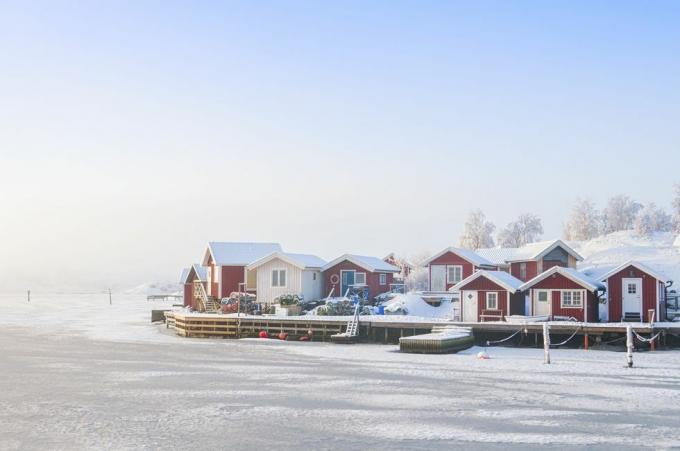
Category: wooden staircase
[209,304]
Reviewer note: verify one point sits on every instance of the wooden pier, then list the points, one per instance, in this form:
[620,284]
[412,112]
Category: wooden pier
[388,329]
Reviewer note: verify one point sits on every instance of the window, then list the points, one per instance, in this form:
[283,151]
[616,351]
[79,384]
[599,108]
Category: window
[278,277]
[492,301]
[542,296]
[383,279]
[314,276]
[572,299]
[632,288]
[454,273]
[359,278]
[523,271]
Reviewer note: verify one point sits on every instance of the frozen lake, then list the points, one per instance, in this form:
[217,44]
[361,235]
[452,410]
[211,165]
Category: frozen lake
[87,375]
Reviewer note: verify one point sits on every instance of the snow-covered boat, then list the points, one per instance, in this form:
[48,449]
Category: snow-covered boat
[441,341]
[522,319]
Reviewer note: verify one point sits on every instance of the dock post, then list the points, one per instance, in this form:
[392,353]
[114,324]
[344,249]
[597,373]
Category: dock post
[110,303]
[585,341]
[386,334]
[546,343]
[629,345]
[29,295]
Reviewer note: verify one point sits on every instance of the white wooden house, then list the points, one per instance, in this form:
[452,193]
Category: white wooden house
[283,273]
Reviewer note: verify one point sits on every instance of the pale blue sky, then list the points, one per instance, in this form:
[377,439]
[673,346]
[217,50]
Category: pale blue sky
[133,132]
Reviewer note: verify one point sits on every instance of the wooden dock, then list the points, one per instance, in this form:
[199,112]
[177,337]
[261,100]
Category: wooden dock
[388,329]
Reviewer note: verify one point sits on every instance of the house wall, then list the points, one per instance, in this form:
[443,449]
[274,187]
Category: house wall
[188,294]
[559,282]
[482,286]
[532,270]
[213,285]
[615,290]
[265,292]
[450,258]
[372,279]
[312,285]
[231,277]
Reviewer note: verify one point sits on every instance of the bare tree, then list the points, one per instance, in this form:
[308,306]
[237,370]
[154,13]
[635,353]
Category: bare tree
[477,233]
[527,229]
[584,221]
[652,219]
[620,213]
[676,208]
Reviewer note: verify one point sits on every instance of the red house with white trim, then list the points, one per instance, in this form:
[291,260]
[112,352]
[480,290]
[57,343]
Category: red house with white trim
[226,266]
[635,293]
[191,278]
[564,292]
[452,265]
[489,295]
[358,272]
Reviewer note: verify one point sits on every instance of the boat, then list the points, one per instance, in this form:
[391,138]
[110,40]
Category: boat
[440,341]
[523,319]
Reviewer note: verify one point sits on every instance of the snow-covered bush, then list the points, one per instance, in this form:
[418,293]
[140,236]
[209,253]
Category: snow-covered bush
[620,213]
[288,299]
[477,232]
[652,219]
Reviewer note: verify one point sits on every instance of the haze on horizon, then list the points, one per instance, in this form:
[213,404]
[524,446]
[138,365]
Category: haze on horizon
[133,133]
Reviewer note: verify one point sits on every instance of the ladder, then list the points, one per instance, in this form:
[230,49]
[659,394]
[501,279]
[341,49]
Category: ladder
[353,324]
[210,303]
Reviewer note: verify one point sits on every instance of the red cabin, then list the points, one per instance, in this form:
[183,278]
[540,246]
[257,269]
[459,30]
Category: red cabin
[635,293]
[193,280]
[368,274]
[489,295]
[564,292]
[452,265]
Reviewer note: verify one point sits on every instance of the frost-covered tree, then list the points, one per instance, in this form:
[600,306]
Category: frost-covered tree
[584,221]
[527,229]
[477,233]
[652,219]
[620,213]
[676,208]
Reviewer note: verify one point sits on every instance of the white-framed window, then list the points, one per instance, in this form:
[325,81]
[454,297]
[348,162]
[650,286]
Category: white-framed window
[359,278]
[632,288]
[383,279]
[492,300]
[454,273]
[572,299]
[278,277]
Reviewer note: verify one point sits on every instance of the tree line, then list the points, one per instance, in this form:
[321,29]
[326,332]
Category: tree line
[585,222]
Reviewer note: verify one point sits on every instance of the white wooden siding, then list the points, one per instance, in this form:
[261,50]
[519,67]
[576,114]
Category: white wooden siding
[312,289]
[265,292]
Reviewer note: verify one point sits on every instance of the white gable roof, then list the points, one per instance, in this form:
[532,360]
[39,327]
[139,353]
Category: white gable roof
[531,251]
[569,273]
[372,264]
[238,254]
[638,265]
[465,254]
[200,271]
[302,261]
[502,278]
[184,274]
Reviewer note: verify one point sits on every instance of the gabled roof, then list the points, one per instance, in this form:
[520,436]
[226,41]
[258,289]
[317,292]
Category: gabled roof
[200,271]
[184,274]
[302,261]
[372,264]
[502,278]
[569,273]
[465,254]
[238,254]
[638,265]
[528,252]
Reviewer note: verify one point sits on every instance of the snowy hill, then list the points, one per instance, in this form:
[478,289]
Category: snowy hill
[156,288]
[661,252]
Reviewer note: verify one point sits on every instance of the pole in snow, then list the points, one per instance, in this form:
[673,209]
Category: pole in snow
[29,295]
[629,345]
[546,343]
[110,303]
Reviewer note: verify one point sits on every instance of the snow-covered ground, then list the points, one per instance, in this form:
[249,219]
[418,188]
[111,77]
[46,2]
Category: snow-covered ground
[79,373]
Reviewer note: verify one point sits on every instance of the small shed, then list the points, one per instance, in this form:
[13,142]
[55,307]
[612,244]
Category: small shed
[489,295]
[192,279]
[452,265]
[370,274]
[564,292]
[283,273]
[635,293]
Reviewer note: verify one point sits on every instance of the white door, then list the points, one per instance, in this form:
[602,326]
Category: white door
[438,278]
[469,306]
[632,296]
[542,301]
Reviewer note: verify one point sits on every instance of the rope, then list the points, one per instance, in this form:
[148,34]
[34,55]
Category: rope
[646,340]
[489,343]
[565,341]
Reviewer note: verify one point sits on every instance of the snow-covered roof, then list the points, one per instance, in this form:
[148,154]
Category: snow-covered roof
[465,254]
[184,274]
[302,261]
[502,278]
[642,267]
[531,251]
[238,254]
[200,271]
[372,264]
[570,273]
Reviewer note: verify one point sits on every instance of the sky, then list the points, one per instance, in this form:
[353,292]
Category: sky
[131,133]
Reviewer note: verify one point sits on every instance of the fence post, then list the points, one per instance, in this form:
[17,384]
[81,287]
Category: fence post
[546,343]
[629,345]
[110,302]
[29,295]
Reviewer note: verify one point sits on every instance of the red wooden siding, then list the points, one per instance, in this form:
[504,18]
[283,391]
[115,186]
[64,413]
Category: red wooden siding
[232,276]
[615,287]
[372,279]
[482,286]
[449,258]
[189,295]
[532,270]
[558,282]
